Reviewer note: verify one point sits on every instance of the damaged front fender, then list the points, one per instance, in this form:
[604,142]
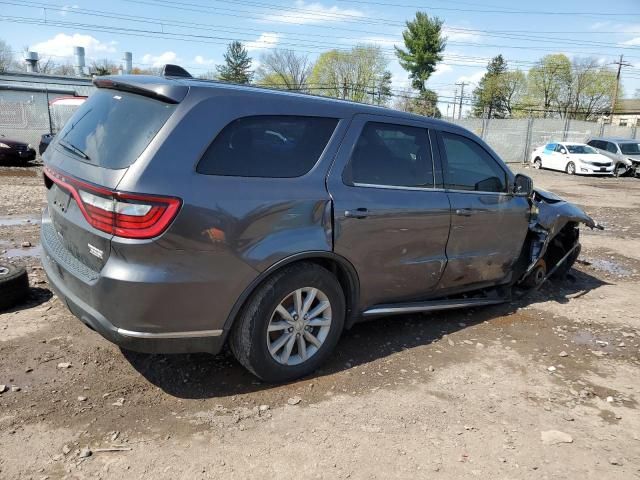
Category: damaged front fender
[553,233]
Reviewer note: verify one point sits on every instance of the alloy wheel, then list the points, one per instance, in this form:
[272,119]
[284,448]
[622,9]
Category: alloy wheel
[299,326]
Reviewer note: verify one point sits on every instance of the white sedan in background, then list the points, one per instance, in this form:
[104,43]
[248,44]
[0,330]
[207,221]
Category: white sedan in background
[573,158]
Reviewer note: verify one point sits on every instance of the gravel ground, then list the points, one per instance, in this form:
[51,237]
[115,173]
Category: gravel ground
[543,387]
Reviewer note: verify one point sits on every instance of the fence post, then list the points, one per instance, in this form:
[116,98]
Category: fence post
[601,133]
[527,140]
[634,131]
[565,133]
[49,111]
[485,127]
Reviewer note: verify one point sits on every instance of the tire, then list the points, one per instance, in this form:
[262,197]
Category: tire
[14,285]
[563,269]
[537,275]
[619,170]
[571,168]
[252,341]
[537,163]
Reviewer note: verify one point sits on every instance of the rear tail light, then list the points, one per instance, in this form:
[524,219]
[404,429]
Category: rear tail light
[128,215]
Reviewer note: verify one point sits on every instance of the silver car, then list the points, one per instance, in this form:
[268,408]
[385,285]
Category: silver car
[625,152]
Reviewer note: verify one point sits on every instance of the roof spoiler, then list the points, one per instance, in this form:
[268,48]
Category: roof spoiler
[170,70]
[159,88]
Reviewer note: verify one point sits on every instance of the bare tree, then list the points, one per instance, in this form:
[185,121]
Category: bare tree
[285,69]
[7,59]
[103,67]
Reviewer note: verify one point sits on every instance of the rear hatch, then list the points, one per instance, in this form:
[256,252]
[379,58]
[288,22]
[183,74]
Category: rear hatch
[86,161]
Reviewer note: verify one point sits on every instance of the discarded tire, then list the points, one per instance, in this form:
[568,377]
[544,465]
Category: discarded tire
[14,285]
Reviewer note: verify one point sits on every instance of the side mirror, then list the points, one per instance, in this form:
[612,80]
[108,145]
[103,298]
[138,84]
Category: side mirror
[522,186]
[563,151]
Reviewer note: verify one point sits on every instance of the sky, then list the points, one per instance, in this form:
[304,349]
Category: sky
[194,33]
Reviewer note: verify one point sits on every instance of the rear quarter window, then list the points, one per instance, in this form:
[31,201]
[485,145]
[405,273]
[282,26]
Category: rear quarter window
[272,146]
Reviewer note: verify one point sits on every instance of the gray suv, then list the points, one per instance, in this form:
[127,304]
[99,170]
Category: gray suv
[184,215]
[625,152]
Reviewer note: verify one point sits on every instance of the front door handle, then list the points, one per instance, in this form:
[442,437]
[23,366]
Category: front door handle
[357,213]
[464,212]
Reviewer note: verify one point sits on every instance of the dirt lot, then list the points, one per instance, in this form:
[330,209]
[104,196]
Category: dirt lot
[479,393]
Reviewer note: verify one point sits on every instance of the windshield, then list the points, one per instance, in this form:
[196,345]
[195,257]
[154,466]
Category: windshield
[630,148]
[581,149]
[112,128]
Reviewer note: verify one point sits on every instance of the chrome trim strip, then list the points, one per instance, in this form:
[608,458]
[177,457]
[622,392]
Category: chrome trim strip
[394,187]
[191,334]
[429,306]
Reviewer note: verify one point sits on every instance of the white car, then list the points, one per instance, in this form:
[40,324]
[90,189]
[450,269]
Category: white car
[573,158]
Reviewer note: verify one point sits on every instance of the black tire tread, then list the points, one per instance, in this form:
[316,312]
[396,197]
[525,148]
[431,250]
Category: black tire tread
[14,286]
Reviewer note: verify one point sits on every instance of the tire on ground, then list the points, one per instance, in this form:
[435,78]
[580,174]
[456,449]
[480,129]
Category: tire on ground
[248,337]
[14,285]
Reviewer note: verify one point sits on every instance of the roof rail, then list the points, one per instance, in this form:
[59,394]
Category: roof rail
[170,70]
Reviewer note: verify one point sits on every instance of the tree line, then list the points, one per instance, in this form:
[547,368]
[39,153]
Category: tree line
[555,86]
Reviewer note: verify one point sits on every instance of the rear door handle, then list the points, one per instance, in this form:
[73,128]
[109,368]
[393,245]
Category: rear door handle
[357,213]
[464,212]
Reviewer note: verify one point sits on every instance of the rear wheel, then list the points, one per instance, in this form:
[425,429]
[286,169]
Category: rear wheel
[291,324]
[571,168]
[537,163]
[14,285]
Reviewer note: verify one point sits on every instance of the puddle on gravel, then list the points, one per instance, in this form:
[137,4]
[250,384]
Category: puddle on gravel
[20,252]
[587,338]
[13,220]
[607,266]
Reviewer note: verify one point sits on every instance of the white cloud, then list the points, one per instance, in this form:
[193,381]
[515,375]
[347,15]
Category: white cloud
[315,12]
[160,60]
[66,9]
[473,78]
[266,40]
[62,45]
[383,41]
[200,60]
[457,34]
[633,41]
[442,68]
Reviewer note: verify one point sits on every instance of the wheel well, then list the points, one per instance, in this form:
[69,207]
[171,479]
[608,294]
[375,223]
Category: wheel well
[343,271]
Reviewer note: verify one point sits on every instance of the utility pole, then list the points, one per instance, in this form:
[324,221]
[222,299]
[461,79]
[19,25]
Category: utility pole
[455,96]
[461,85]
[620,64]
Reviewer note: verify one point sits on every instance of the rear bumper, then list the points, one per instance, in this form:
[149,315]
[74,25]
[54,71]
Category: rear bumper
[175,342]
[73,291]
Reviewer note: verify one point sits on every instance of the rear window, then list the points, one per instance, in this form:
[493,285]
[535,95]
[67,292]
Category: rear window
[112,128]
[273,146]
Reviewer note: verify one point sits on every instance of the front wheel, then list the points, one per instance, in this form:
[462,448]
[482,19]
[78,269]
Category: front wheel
[291,324]
[537,163]
[571,168]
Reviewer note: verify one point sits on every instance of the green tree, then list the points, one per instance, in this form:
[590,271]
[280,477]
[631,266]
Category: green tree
[384,89]
[425,103]
[424,45]
[490,96]
[237,66]
[515,89]
[282,68]
[357,74]
[545,82]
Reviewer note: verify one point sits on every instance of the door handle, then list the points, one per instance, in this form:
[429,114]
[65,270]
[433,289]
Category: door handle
[464,212]
[357,213]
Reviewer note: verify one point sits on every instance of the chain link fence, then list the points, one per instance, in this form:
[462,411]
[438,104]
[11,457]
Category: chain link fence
[28,106]
[514,139]
[26,114]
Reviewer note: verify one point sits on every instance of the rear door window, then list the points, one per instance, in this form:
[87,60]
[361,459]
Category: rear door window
[272,146]
[112,128]
[391,155]
[470,167]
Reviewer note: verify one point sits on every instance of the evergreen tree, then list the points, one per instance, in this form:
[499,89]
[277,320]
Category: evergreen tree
[424,46]
[237,66]
[490,98]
